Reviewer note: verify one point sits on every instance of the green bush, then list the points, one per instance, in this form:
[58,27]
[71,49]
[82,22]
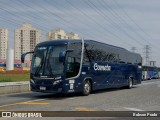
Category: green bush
[14,77]
[7,79]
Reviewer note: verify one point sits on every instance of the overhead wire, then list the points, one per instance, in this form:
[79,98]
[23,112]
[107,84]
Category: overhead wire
[65,22]
[137,25]
[107,18]
[97,23]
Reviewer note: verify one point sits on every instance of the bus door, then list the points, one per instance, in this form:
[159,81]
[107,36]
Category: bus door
[72,64]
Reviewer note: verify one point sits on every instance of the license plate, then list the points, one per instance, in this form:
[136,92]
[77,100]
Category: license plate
[42,88]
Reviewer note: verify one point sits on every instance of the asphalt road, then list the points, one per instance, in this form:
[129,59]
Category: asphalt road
[144,97]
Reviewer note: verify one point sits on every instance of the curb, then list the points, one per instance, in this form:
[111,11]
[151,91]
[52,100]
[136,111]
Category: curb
[14,87]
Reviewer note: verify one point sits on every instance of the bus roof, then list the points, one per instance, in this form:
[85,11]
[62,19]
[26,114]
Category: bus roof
[66,41]
[106,44]
[53,42]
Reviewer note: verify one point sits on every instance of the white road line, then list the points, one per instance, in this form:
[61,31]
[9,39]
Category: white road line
[133,109]
[149,83]
[71,98]
[35,100]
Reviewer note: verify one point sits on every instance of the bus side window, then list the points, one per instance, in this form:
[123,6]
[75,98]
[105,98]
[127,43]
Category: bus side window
[73,60]
[70,64]
[72,67]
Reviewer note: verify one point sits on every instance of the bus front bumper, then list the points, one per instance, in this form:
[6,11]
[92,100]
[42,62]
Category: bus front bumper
[46,88]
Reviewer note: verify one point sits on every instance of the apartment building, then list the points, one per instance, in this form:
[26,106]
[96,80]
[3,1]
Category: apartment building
[73,35]
[26,38]
[60,34]
[3,44]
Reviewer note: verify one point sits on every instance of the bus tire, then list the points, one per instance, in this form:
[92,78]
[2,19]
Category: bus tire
[130,83]
[86,88]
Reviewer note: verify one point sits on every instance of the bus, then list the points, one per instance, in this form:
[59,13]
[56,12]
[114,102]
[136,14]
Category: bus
[150,72]
[68,66]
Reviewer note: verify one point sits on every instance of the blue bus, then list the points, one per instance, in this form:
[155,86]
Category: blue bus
[150,72]
[67,66]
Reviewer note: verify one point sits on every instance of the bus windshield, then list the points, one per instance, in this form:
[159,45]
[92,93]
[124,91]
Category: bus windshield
[45,61]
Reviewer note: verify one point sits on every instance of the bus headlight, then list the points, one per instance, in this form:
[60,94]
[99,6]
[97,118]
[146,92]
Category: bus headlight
[56,82]
[139,67]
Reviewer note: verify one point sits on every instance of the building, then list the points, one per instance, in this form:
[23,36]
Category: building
[60,34]
[152,63]
[3,44]
[73,35]
[26,38]
[56,34]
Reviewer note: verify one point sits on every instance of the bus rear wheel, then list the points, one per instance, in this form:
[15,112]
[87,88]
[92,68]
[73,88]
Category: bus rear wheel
[86,88]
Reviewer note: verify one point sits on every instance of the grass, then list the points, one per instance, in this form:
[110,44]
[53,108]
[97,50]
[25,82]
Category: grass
[14,77]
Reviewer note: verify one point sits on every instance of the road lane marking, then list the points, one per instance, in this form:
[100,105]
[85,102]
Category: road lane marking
[3,110]
[13,104]
[71,98]
[8,105]
[148,83]
[133,109]
[36,100]
[33,103]
[84,109]
[15,93]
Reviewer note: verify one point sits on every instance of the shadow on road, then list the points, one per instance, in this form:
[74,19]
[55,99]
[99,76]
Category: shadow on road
[37,95]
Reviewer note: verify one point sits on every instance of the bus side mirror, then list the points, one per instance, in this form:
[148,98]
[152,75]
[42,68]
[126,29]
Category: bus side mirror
[22,58]
[63,54]
[24,55]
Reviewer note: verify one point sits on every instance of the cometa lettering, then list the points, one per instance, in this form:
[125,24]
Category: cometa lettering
[101,67]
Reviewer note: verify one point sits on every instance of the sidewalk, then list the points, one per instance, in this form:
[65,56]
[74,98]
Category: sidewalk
[14,87]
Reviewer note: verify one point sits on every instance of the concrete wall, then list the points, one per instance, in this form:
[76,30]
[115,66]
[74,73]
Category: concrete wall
[14,87]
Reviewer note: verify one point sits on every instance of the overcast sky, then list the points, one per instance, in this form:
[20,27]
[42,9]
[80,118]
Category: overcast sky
[124,23]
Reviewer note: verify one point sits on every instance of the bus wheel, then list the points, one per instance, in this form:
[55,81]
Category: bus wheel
[130,83]
[86,88]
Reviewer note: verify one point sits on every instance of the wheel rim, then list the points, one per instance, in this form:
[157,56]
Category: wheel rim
[87,88]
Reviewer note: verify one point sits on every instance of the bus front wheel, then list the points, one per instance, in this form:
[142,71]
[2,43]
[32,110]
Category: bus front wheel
[86,88]
[130,83]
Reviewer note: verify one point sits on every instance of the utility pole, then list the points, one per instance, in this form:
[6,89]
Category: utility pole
[147,52]
[133,49]
[153,63]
